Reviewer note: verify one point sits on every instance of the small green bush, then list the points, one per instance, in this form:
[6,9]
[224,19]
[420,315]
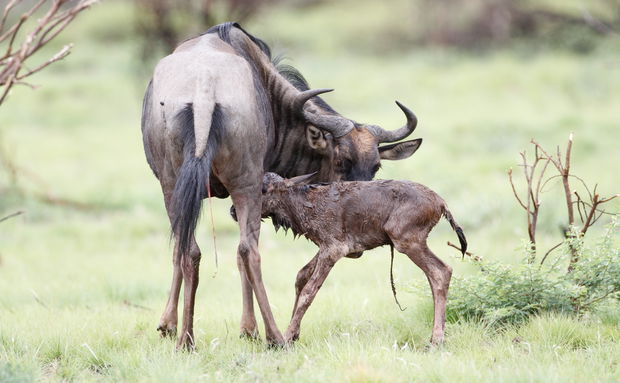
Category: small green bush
[510,294]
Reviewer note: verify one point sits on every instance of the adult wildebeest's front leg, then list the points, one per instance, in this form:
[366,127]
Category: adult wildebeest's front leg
[248,319]
[323,263]
[248,208]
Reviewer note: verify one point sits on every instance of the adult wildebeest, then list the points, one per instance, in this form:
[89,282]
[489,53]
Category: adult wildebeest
[346,218]
[217,114]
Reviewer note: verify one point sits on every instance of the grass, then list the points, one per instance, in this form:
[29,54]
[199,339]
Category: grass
[82,291]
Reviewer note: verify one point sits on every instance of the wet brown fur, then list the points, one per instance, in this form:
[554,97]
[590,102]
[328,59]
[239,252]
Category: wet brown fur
[346,218]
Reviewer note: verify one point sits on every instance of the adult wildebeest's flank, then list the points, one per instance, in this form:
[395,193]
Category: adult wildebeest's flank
[346,218]
[217,114]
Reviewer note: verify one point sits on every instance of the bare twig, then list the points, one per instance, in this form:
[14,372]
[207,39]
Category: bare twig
[39,300]
[459,249]
[514,191]
[50,25]
[137,306]
[589,211]
[544,258]
[11,215]
[534,177]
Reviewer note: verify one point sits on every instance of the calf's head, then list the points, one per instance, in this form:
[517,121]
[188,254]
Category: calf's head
[274,189]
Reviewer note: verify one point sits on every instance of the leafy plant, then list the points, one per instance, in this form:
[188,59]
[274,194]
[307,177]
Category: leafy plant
[506,294]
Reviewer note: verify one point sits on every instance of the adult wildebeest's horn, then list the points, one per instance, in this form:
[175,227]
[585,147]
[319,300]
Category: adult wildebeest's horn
[337,125]
[301,98]
[398,134]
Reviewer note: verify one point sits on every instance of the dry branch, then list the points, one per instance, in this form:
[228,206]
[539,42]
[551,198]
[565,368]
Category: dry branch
[461,250]
[58,16]
[589,211]
[11,216]
[534,178]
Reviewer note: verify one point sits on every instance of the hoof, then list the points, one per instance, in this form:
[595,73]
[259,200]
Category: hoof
[435,343]
[276,343]
[186,343]
[251,335]
[437,340]
[291,338]
[167,331]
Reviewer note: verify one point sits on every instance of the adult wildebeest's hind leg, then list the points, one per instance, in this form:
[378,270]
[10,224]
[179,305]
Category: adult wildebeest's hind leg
[325,260]
[438,274]
[189,266]
[169,318]
[248,207]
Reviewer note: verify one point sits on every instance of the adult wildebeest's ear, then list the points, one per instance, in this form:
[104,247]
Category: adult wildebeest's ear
[300,179]
[400,150]
[316,138]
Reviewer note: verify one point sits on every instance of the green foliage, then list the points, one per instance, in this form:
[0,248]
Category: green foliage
[511,294]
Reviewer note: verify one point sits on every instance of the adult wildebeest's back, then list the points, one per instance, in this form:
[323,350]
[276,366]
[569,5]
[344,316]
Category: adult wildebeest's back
[216,115]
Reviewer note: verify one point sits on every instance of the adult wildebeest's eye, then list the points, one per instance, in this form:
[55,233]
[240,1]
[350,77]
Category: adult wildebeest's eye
[346,165]
[376,168]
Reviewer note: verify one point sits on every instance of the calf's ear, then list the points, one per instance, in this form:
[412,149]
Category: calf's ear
[400,150]
[316,138]
[300,179]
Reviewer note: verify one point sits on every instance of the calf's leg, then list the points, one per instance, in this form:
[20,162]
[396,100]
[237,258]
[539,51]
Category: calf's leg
[302,278]
[324,264]
[438,274]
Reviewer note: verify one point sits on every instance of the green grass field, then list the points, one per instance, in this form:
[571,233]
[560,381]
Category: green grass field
[81,291]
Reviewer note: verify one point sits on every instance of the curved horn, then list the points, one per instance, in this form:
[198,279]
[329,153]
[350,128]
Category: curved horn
[302,97]
[398,134]
[337,125]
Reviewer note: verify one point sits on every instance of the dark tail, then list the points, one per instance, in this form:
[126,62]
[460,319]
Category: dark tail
[457,229]
[191,185]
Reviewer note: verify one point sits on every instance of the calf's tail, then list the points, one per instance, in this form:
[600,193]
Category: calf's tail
[193,176]
[456,228]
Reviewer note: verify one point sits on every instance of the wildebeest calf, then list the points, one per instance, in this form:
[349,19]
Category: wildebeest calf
[346,218]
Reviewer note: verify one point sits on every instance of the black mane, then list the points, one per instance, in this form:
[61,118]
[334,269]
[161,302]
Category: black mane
[289,72]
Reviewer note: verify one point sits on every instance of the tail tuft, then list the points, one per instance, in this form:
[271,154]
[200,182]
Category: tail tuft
[457,229]
[462,240]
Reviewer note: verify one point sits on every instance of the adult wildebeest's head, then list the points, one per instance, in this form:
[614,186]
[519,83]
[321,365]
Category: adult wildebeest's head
[354,150]
[347,150]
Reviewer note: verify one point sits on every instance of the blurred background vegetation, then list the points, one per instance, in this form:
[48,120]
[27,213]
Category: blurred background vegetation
[89,261]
